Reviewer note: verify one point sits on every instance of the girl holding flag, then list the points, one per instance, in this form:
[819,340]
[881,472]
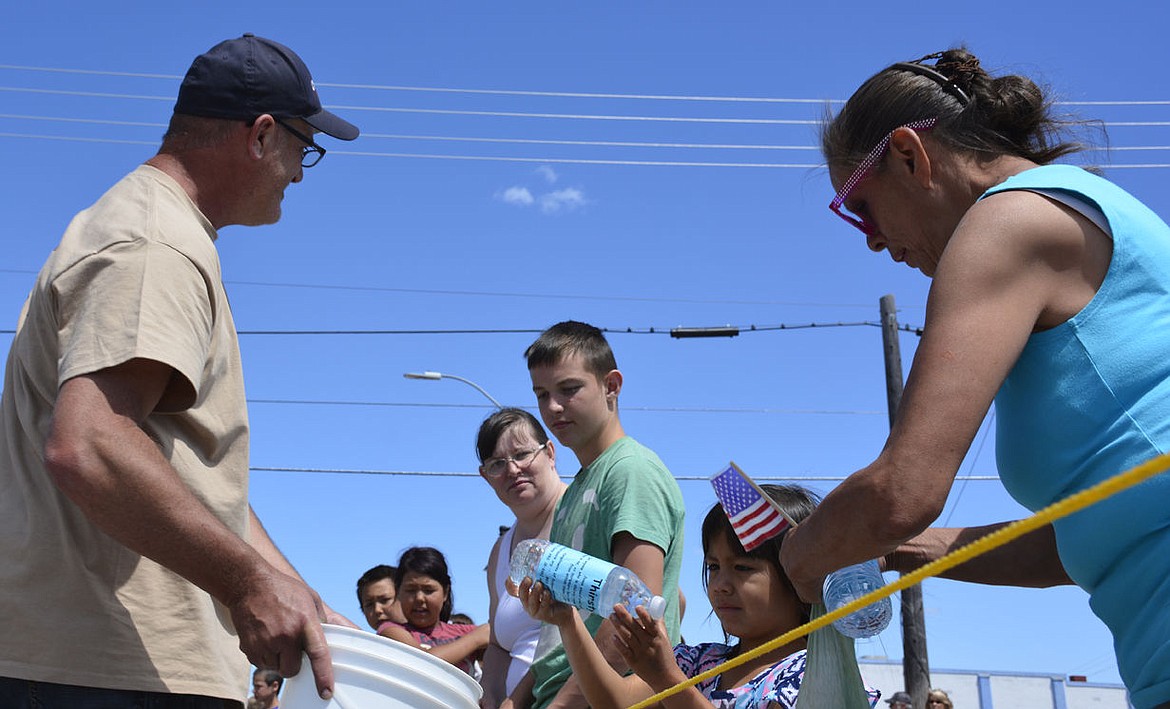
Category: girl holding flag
[749,593]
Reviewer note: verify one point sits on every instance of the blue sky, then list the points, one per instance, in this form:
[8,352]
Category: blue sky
[580,197]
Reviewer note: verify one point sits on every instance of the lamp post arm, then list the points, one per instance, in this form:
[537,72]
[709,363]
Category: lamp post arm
[476,387]
[440,375]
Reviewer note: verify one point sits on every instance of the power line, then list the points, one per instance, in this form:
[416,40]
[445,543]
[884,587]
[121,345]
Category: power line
[84,94]
[542,160]
[424,156]
[433,89]
[988,425]
[453,112]
[579,161]
[527,141]
[720,331]
[449,474]
[589,143]
[74,119]
[91,72]
[512,294]
[516,114]
[554,94]
[78,139]
[643,409]
[580,94]
[586,116]
[625,330]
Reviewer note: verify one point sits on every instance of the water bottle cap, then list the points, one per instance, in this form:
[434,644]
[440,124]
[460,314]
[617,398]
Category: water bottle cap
[657,607]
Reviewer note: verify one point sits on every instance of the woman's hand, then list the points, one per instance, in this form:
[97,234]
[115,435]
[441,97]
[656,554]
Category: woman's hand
[540,604]
[646,648]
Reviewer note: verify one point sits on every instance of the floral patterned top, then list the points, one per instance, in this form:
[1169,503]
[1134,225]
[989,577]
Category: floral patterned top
[777,684]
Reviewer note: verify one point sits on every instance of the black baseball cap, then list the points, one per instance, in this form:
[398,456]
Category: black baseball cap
[243,78]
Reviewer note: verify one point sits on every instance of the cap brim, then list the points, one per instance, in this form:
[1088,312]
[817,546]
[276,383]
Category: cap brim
[332,125]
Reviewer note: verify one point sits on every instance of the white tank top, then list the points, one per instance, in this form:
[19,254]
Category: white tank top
[515,630]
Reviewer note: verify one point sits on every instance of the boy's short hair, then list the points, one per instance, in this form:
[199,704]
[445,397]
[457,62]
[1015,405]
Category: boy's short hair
[572,337]
[374,575]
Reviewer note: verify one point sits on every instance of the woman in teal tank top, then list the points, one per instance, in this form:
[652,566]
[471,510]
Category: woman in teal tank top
[1050,295]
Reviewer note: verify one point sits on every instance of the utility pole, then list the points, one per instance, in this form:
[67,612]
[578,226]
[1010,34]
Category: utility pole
[915,665]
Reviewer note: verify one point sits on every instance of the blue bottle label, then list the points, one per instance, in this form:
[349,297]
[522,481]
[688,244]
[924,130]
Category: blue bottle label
[573,577]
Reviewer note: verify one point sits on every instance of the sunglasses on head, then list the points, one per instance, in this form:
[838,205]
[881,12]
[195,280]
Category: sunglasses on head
[863,170]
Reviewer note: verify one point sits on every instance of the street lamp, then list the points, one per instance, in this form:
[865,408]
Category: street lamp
[442,375]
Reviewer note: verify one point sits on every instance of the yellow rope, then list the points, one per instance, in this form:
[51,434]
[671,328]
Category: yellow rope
[1062,508]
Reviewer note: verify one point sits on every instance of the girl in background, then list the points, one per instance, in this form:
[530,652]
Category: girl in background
[424,594]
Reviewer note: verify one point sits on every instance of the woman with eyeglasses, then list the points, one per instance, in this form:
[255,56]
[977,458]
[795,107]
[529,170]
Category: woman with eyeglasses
[1050,296]
[519,462]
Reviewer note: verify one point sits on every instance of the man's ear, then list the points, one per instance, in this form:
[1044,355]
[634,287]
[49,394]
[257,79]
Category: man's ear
[908,152]
[261,135]
[612,382]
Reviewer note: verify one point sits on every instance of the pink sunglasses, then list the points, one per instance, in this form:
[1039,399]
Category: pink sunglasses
[863,170]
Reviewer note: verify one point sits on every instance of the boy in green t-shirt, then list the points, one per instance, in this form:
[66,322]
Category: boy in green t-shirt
[623,506]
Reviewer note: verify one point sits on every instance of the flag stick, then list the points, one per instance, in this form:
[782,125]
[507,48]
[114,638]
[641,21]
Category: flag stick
[767,498]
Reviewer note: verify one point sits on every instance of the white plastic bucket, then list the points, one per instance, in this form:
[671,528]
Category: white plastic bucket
[372,672]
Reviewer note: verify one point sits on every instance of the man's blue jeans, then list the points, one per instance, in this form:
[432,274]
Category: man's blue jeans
[23,694]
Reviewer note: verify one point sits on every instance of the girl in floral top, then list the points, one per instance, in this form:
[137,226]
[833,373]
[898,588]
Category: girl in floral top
[754,602]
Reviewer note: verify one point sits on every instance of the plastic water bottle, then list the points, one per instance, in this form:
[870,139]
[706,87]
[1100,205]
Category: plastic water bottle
[584,581]
[849,584]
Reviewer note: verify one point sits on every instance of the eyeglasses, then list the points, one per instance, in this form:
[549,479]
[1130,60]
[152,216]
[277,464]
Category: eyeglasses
[863,170]
[311,153]
[495,467]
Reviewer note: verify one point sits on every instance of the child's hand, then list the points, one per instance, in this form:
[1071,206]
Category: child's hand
[539,604]
[646,648]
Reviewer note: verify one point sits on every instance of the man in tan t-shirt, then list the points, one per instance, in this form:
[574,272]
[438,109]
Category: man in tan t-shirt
[132,567]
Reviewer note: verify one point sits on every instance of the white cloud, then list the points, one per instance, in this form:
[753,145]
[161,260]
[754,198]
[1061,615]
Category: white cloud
[548,173]
[519,196]
[567,200]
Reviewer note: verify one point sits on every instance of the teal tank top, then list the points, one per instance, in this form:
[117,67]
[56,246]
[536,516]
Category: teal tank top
[1089,399]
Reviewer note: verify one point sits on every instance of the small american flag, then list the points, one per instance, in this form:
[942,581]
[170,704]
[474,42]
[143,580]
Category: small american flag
[751,515]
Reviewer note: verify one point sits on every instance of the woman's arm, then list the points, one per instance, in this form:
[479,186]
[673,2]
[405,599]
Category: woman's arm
[521,697]
[1030,560]
[1007,270]
[496,660]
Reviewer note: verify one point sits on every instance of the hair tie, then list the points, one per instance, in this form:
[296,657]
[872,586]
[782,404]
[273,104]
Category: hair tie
[947,84]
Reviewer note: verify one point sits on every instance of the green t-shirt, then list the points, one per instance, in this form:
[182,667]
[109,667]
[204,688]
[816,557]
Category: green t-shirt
[627,489]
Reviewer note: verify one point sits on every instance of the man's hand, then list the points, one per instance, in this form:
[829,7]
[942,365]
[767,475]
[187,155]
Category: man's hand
[331,616]
[277,617]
